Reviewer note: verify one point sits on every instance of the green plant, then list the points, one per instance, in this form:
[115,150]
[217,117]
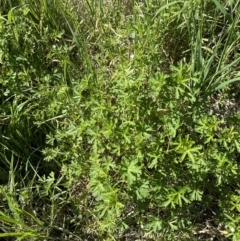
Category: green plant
[119,118]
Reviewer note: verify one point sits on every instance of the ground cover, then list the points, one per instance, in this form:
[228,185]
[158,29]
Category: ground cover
[119,120]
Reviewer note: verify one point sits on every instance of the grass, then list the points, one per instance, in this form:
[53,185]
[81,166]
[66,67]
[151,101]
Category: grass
[119,120]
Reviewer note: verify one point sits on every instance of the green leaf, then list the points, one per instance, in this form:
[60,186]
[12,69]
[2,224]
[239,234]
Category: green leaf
[226,83]
[143,191]
[7,219]
[164,7]
[223,10]
[173,226]
[131,170]
[196,195]
[155,225]
[23,234]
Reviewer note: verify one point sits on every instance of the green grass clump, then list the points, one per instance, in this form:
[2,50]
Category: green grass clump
[119,120]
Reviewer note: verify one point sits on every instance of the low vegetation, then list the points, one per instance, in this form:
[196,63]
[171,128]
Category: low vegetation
[119,120]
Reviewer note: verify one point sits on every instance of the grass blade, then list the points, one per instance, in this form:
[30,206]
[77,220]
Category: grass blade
[226,83]
[164,7]
[220,7]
